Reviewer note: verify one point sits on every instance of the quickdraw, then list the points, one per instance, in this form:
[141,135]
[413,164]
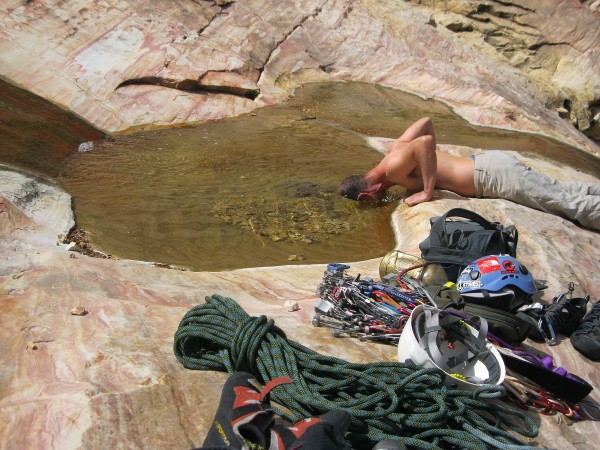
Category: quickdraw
[365,309]
[529,396]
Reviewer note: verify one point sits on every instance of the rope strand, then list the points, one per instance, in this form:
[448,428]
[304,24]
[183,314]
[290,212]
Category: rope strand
[387,400]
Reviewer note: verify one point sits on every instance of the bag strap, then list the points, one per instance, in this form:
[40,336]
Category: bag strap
[439,226]
[512,246]
[470,215]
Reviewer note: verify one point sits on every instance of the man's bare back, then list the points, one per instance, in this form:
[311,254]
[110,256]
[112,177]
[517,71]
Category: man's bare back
[452,173]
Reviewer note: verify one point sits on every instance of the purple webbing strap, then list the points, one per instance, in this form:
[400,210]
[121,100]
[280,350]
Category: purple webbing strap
[545,362]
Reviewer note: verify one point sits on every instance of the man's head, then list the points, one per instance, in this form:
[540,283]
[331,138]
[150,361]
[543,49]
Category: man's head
[353,186]
[357,187]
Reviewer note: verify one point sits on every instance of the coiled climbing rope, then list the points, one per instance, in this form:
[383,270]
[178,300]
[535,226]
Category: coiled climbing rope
[387,400]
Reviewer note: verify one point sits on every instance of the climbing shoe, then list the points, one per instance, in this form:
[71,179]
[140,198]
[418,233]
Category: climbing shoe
[244,418]
[325,432]
[586,338]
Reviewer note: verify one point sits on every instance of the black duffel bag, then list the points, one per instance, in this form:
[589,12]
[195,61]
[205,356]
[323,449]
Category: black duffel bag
[460,236]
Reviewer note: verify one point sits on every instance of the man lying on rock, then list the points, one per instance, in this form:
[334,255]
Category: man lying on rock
[413,162]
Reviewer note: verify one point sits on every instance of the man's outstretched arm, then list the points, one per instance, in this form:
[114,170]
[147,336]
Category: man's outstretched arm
[422,127]
[424,153]
[412,161]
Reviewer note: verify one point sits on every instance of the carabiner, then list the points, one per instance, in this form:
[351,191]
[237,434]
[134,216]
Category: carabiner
[559,406]
[541,399]
[547,330]
[530,405]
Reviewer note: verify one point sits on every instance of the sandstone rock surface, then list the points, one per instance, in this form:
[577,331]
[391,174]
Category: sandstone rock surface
[109,379]
[122,66]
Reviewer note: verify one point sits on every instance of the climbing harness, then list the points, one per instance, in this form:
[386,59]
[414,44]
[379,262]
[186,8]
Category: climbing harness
[365,309]
[542,371]
[387,400]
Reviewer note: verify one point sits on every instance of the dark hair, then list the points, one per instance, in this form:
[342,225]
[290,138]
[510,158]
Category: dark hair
[352,186]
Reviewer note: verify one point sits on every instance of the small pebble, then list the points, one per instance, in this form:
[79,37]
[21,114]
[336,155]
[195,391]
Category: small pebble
[292,306]
[79,311]
[73,247]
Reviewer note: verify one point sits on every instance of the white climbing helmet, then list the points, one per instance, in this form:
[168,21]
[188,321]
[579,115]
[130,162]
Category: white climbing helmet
[439,339]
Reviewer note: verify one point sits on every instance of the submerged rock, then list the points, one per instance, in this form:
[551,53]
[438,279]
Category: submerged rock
[85,147]
[310,216]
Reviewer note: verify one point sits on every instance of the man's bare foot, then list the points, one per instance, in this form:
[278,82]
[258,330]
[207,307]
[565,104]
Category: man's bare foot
[419,197]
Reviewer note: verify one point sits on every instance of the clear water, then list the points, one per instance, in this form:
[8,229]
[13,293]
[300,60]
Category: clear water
[241,193]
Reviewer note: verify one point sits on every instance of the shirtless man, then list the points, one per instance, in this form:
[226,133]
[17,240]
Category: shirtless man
[414,162]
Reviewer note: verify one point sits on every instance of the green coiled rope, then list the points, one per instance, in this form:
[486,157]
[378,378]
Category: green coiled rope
[387,400]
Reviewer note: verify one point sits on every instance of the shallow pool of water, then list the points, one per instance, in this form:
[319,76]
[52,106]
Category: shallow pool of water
[247,192]
[254,190]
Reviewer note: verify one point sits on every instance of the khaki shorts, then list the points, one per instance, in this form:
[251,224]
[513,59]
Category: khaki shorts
[495,174]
